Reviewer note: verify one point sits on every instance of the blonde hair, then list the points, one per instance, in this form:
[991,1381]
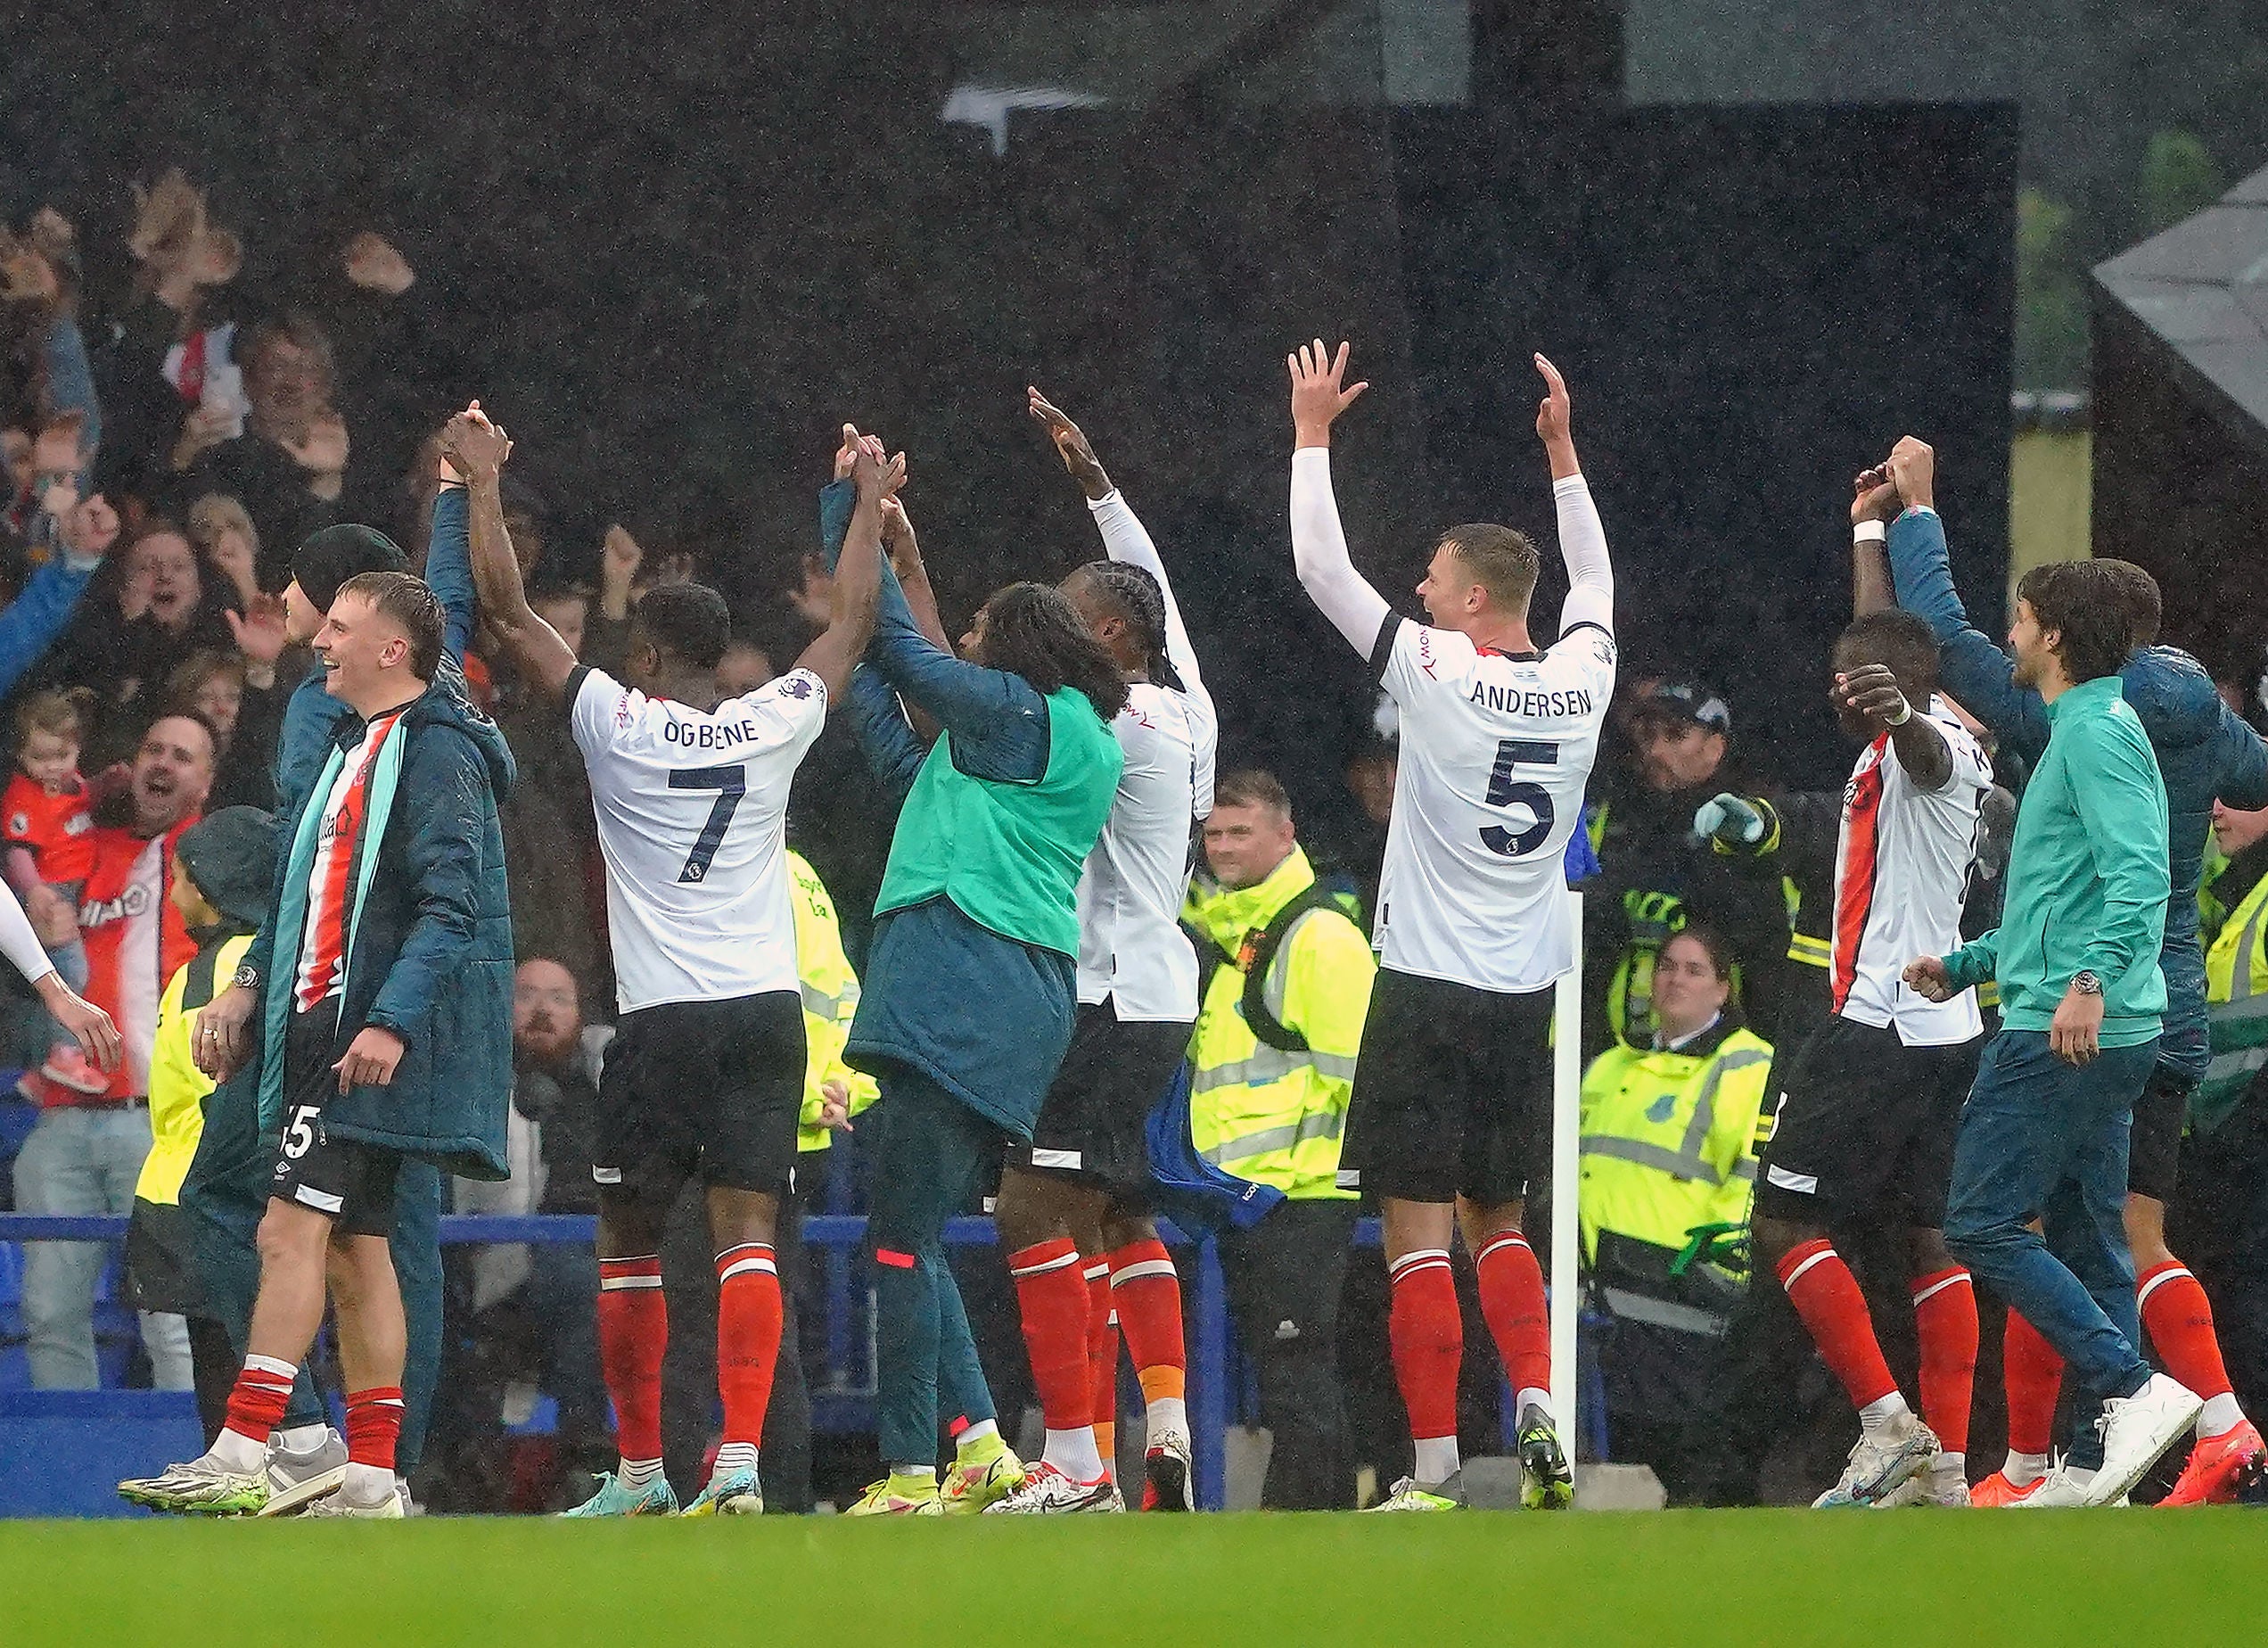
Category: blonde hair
[60,713]
[215,513]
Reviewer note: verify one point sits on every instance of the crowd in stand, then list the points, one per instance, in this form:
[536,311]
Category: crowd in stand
[172,452]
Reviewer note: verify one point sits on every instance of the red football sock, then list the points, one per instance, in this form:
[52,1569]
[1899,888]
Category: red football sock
[1512,1302]
[1428,1337]
[1146,1290]
[1102,1358]
[2179,1319]
[263,1390]
[633,1332]
[373,1425]
[748,1337]
[1051,1295]
[1826,1296]
[1946,1321]
[2034,1374]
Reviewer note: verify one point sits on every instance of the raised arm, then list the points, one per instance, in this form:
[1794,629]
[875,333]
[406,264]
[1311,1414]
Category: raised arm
[448,567]
[858,574]
[1582,538]
[1318,543]
[998,723]
[1971,667]
[1124,537]
[893,754]
[476,448]
[1874,503]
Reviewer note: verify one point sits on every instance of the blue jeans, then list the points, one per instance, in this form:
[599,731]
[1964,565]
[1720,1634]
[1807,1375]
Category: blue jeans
[2043,1139]
[83,1159]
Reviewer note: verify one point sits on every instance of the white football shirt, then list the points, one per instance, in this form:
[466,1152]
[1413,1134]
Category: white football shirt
[692,812]
[1901,864]
[1131,948]
[1495,752]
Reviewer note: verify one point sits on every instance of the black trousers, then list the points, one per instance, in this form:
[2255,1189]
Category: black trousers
[2218,1223]
[1284,1277]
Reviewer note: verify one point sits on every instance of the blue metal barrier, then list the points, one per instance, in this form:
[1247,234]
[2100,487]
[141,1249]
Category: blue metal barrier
[1209,1398]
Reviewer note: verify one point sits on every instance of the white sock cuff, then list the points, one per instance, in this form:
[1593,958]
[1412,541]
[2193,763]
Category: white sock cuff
[272,1367]
[1958,1278]
[1141,1268]
[1820,1257]
[1044,1265]
[1419,1258]
[2158,1278]
[1503,1239]
[1099,1271]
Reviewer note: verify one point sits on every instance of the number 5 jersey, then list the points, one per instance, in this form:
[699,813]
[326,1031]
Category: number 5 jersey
[1496,749]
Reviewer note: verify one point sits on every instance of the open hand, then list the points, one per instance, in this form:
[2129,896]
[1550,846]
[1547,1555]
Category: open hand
[370,1059]
[1555,411]
[1926,977]
[1071,446]
[259,631]
[473,447]
[1317,397]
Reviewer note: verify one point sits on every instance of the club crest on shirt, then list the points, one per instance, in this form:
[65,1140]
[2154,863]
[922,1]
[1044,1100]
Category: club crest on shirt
[19,823]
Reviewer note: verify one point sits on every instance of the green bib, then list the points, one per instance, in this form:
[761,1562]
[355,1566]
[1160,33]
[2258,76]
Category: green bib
[1008,855]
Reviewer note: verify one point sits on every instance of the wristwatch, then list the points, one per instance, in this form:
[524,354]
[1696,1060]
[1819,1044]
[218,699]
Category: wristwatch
[2087,983]
[247,976]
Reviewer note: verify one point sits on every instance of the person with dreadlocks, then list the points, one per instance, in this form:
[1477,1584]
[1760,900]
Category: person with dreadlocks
[1074,1210]
[971,974]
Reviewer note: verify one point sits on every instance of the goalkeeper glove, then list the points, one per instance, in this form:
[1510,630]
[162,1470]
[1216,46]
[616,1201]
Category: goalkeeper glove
[1729,821]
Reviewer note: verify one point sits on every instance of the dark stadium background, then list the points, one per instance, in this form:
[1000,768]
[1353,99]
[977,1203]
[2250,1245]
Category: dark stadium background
[682,241]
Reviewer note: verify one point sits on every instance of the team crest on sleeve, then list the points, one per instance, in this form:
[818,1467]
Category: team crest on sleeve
[1602,646]
[796,685]
[621,709]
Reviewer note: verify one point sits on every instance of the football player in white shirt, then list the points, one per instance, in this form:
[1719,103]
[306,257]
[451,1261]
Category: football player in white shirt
[1077,1195]
[1868,1110]
[705,1074]
[1450,1117]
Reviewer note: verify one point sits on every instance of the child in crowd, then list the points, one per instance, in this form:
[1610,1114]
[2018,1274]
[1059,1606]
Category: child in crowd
[46,851]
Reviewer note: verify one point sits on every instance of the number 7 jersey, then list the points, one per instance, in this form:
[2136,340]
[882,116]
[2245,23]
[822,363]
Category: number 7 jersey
[691,811]
[1496,749]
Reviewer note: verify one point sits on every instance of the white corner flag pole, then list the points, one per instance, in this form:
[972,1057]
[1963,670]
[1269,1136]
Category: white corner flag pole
[1566,1113]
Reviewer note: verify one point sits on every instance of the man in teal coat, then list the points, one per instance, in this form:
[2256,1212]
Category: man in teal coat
[386,981]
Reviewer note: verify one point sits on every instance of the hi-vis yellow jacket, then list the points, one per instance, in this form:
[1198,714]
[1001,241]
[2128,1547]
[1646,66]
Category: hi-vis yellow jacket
[2236,994]
[830,1000]
[1669,1139]
[1270,1115]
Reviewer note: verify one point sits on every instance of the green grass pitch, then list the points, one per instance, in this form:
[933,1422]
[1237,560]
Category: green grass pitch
[1667,1580]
